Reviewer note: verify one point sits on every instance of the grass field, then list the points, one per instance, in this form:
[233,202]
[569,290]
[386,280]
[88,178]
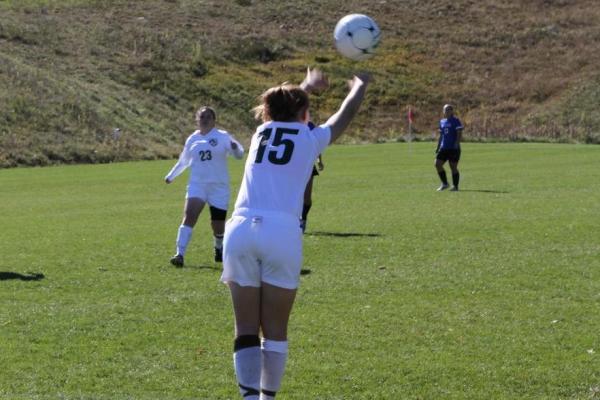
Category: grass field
[489,293]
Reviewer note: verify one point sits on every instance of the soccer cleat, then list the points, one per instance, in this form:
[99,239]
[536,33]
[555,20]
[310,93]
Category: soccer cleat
[303,225]
[443,186]
[177,260]
[454,189]
[218,255]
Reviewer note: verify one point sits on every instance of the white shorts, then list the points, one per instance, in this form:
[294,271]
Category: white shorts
[262,246]
[215,194]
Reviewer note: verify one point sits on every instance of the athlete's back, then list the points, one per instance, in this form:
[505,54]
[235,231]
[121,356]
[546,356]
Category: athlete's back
[280,160]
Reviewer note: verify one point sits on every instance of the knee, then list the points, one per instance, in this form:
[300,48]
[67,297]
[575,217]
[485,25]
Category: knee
[189,221]
[274,331]
[245,341]
[246,329]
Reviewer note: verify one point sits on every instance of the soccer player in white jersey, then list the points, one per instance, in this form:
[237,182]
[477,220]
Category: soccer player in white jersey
[263,241]
[205,153]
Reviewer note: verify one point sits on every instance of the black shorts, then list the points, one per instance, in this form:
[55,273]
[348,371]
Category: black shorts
[448,155]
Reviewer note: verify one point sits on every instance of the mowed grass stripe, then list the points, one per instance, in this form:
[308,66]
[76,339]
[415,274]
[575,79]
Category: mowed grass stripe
[492,292]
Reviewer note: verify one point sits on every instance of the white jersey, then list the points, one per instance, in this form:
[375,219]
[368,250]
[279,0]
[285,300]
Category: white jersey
[280,161]
[206,155]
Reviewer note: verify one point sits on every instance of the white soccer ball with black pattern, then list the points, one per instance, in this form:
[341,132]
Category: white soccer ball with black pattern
[356,36]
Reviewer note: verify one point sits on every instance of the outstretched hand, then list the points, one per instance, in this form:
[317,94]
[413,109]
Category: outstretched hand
[362,77]
[314,81]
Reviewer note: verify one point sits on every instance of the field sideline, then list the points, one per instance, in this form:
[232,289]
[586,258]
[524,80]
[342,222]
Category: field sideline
[489,293]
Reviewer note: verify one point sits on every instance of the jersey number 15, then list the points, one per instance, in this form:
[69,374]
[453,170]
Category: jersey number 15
[278,140]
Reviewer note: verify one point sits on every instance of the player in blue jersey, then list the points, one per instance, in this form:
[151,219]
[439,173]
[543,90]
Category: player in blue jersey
[448,148]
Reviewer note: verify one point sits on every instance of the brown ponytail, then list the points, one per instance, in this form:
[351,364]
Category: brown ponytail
[283,103]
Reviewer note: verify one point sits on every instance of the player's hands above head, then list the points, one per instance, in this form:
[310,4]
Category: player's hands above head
[314,81]
[361,78]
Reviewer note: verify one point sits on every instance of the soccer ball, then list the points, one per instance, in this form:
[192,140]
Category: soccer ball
[356,36]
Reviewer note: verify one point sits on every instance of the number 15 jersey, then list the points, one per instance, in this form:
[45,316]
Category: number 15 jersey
[279,163]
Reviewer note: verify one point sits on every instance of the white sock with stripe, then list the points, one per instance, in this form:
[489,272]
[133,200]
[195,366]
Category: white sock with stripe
[274,358]
[246,361]
[184,234]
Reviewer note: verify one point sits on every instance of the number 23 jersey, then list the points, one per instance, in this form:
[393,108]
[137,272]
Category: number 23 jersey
[206,155]
[279,163]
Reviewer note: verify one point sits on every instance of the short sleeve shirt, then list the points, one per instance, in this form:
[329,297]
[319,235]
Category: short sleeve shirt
[207,156]
[449,128]
[280,161]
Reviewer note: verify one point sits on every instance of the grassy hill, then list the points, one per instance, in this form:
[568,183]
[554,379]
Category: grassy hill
[72,71]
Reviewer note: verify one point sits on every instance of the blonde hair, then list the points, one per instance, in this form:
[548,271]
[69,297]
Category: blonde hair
[282,103]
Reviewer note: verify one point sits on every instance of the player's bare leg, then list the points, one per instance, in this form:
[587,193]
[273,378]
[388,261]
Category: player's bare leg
[217,221]
[192,209]
[439,166]
[260,365]
[307,203]
[218,228]
[276,307]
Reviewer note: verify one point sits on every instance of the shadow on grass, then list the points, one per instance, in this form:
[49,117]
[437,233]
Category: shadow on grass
[343,234]
[5,276]
[210,267]
[484,191]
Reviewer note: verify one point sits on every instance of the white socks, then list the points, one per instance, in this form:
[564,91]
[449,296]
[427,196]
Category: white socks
[274,357]
[246,361]
[259,368]
[183,238]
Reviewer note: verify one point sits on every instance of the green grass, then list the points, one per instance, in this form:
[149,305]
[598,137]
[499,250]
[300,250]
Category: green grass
[489,293]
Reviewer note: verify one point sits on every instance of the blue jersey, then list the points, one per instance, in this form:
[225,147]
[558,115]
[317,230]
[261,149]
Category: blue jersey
[449,128]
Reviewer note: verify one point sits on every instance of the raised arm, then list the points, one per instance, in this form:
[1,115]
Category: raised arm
[339,121]
[314,81]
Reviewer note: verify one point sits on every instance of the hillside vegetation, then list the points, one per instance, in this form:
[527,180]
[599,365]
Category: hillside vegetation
[73,71]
